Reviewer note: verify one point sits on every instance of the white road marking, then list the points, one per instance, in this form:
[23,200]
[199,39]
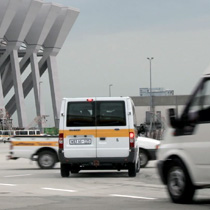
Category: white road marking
[130,196]
[17,175]
[12,185]
[63,190]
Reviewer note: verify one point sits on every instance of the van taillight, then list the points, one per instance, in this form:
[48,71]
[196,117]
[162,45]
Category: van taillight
[132,139]
[60,141]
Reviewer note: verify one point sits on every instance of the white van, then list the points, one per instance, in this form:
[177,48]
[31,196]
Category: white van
[98,133]
[184,154]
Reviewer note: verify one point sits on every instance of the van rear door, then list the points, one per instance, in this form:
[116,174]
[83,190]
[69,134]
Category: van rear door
[80,129]
[112,127]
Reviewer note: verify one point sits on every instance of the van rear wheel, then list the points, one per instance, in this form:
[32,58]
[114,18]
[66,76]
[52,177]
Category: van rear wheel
[132,169]
[179,184]
[65,170]
[138,165]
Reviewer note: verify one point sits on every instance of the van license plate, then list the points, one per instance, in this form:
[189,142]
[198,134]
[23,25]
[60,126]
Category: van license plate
[80,141]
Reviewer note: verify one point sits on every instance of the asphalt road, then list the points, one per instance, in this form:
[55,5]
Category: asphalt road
[24,186]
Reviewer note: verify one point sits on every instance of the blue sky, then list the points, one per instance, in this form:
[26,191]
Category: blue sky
[111,40]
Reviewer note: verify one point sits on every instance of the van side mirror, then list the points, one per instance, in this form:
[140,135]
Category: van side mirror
[172,118]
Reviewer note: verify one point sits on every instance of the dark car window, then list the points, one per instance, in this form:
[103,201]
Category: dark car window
[198,109]
[111,113]
[80,114]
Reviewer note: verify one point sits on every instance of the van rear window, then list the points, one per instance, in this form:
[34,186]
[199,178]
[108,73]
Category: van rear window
[80,114]
[100,113]
[111,113]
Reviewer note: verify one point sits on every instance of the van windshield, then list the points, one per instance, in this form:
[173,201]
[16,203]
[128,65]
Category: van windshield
[199,106]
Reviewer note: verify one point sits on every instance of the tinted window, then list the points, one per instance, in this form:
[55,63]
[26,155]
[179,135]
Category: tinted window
[80,114]
[111,113]
[23,133]
[31,132]
[5,132]
[199,107]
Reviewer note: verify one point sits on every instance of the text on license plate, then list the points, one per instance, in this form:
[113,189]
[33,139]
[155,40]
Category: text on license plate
[80,141]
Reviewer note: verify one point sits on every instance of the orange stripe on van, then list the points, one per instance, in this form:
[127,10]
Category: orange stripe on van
[35,143]
[113,133]
[100,132]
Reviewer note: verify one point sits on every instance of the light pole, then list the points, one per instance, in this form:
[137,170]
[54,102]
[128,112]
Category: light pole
[151,102]
[110,94]
[150,70]
[40,109]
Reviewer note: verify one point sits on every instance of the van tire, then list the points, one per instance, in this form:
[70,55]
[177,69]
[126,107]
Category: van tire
[143,157]
[65,172]
[179,184]
[132,169]
[138,165]
[46,159]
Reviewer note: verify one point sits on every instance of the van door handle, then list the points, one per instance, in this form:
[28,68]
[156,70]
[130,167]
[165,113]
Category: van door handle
[116,129]
[103,138]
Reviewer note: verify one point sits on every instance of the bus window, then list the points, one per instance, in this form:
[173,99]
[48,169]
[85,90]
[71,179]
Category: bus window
[31,132]
[23,133]
[38,132]
[17,132]
[5,132]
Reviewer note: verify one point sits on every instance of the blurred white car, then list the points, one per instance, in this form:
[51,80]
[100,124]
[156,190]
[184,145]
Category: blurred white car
[184,154]
[147,149]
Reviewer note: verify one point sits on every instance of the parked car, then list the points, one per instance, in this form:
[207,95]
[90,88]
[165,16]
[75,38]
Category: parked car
[147,149]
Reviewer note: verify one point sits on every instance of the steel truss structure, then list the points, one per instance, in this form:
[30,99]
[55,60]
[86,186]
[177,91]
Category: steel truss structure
[41,28]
